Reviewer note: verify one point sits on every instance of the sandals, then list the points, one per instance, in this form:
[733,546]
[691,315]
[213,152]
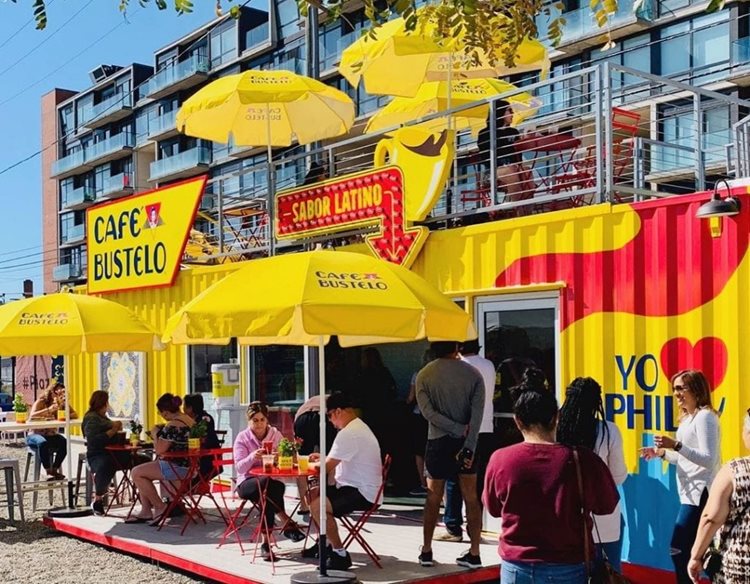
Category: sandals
[137,519]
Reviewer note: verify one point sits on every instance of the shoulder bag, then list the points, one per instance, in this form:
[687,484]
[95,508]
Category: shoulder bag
[602,572]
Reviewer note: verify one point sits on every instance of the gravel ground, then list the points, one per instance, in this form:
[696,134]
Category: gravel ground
[61,558]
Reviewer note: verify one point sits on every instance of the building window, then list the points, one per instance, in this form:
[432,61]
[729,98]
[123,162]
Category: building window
[202,357]
[257,20]
[223,43]
[288,18]
[67,120]
[697,48]
[278,375]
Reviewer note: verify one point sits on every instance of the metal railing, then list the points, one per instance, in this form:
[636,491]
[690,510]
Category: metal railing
[188,159]
[606,133]
[176,72]
[740,151]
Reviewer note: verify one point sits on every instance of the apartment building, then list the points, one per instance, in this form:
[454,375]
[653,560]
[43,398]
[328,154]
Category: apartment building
[118,136]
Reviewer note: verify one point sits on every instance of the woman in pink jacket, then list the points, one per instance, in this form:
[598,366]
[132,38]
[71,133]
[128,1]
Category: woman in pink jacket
[248,450]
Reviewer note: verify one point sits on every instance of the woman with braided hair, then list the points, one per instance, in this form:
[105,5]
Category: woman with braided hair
[582,424]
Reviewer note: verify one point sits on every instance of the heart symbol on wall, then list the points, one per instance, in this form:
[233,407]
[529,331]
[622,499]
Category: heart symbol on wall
[709,355]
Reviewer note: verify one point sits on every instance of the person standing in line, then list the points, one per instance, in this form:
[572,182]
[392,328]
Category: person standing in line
[486,445]
[450,394]
[728,508]
[582,423]
[533,488]
[418,430]
[696,452]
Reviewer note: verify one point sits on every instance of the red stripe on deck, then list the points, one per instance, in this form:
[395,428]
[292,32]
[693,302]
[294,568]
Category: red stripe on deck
[130,547]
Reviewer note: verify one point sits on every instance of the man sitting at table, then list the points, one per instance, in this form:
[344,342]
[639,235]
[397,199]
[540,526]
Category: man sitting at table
[355,463]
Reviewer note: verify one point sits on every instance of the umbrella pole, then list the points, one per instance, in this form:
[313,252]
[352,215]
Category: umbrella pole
[322,546]
[271,186]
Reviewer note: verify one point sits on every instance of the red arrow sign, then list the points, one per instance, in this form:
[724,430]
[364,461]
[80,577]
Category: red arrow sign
[375,197]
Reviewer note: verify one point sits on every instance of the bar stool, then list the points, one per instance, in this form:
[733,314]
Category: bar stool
[12,473]
[33,453]
[83,466]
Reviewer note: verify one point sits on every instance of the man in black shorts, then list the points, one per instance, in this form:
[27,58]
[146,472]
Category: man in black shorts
[450,394]
[354,461]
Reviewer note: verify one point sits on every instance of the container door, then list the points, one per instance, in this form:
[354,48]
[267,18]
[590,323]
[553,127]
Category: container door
[516,332]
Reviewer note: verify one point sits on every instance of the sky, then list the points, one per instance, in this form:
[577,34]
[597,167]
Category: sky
[80,35]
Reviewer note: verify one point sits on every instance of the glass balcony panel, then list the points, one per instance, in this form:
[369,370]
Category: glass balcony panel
[174,73]
[117,142]
[117,183]
[65,272]
[73,233]
[111,104]
[741,53]
[180,162]
[79,196]
[68,162]
[163,124]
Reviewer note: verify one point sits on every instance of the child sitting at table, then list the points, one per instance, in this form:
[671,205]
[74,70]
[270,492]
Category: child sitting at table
[248,452]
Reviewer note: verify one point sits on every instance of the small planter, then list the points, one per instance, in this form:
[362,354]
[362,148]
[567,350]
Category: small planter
[194,443]
[21,417]
[286,463]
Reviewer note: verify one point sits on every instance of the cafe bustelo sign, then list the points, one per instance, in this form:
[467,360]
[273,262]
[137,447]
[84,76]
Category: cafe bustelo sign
[138,242]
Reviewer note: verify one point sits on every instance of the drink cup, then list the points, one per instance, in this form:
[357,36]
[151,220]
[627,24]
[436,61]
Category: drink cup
[303,462]
[267,463]
[268,446]
[61,415]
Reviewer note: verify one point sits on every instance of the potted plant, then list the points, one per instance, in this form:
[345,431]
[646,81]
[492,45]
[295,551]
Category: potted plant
[135,431]
[286,449]
[20,407]
[197,434]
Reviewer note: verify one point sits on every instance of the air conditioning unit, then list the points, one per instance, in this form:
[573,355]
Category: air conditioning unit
[102,72]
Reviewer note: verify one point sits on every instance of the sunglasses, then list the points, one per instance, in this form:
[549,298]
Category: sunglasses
[680,388]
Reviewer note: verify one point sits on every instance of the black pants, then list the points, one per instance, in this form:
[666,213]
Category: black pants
[103,466]
[250,489]
[51,449]
[683,536]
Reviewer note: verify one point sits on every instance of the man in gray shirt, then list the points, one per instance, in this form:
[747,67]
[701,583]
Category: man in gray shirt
[450,394]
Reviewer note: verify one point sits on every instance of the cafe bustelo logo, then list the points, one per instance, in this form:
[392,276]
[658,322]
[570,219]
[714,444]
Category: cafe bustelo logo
[350,280]
[43,319]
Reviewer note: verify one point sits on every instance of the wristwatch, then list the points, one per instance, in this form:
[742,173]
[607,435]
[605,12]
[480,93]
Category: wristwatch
[677,446]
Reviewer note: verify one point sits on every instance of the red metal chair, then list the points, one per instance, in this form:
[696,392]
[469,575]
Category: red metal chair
[355,526]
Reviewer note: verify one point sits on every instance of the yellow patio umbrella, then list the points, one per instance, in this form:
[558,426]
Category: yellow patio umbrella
[398,61]
[305,298]
[433,97]
[266,108]
[71,324]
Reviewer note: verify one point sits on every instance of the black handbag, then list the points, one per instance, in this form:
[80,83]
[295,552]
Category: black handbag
[602,572]
[712,562]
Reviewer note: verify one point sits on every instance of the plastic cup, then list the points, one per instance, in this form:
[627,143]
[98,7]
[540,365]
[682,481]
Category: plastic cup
[303,462]
[61,415]
[268,446]
[267,463]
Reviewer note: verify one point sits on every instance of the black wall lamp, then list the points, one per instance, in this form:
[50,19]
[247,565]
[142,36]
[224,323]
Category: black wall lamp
[718,207]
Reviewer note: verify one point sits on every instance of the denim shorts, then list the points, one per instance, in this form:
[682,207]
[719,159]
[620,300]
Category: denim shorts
[539,573]
[172,472]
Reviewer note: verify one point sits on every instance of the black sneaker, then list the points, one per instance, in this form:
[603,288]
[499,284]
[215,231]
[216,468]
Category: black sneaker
[468,560]
[97,506]
[266,553]
[336,561]
[294,533]
[312,551]
[425,559]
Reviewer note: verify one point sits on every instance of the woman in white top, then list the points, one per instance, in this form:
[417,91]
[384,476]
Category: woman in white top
[695,451]
[581,423]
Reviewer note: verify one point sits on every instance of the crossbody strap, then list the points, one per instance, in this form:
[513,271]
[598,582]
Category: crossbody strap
[579,478]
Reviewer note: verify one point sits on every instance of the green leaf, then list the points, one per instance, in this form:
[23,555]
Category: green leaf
[715,5]
[40,14]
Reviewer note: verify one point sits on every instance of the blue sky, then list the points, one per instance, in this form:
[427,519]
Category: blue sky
[33,62]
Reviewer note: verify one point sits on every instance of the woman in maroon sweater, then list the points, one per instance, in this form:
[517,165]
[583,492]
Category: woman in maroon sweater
[532,487]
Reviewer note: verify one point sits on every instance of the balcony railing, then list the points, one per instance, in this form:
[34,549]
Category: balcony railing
[117,106]
[117,184]
[330,58]
[78,198]
[67,272]
[741,53]
[257,37]
[73,233]
[173,74]
[580,24]
[162,125]
[68,163]
[109,146]
[184,161]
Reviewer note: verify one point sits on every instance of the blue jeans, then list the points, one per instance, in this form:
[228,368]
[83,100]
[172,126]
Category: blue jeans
[453,516]
[50,449]
[537,573]
[683,536]
[613,549]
